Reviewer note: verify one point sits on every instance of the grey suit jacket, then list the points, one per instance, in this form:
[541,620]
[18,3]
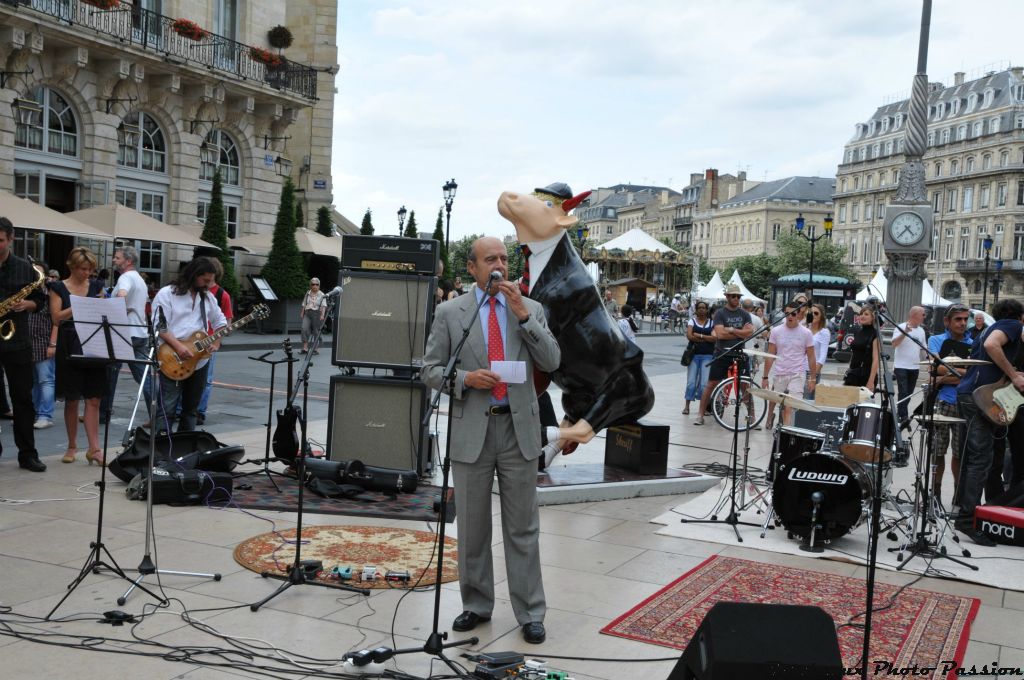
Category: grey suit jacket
[531,342]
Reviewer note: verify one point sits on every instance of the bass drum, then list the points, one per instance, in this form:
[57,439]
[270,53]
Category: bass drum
[790,443]
[844,487]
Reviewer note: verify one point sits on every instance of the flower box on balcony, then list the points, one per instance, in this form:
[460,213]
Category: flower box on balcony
[103,4]
[189,29]
[266,57]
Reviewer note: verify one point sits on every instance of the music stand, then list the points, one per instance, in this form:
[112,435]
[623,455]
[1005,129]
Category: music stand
[265,461]
[104,351]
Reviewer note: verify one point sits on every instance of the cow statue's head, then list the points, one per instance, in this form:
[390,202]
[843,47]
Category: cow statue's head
[542,214]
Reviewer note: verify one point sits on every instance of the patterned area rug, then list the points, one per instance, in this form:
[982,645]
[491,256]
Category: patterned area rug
[262,495]
[349,546]
[921,627]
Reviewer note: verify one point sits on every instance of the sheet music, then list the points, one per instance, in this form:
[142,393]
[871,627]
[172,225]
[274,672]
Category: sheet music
[88,314]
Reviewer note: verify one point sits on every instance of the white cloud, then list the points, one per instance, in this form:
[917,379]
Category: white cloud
[593,92]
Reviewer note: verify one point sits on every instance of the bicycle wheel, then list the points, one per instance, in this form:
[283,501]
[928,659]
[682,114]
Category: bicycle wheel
[723,403]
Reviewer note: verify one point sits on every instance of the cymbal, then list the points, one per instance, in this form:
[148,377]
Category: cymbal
[945,420]
[783,399]
[957,361]
[759,353]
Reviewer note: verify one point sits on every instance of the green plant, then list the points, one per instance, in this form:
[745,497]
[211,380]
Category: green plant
[215,232]
[410,226]
[279,37]
[323,221]
[367,227]
[438,236]
[300,219]
[284,270]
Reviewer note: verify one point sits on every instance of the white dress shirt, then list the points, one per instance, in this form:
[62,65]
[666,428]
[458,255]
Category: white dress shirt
[540,254]
[182,313]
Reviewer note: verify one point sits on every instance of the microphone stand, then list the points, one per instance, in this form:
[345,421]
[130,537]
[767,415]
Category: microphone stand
[435,643]
[296,574]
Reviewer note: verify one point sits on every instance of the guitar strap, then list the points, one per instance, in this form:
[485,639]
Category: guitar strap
[202,310]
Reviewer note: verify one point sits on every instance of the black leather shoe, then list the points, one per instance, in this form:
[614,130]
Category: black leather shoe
[33,465]
[468,621]
[534,632]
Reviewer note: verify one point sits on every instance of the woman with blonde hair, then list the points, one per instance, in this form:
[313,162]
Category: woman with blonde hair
[76,381]
[822,338]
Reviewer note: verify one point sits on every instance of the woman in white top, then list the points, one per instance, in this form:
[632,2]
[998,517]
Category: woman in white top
[822,338]
[627,323]
[313,311]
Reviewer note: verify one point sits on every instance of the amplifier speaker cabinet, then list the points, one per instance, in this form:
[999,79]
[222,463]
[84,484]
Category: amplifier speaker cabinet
[378,421]
[641,447]
[383,319]
[389,254]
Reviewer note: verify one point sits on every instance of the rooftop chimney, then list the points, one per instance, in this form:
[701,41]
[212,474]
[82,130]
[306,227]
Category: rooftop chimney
[695,177]
[958,78]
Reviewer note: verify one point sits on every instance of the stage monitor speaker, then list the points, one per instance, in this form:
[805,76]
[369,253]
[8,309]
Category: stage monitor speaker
[378,421]
[740,640]
[383,319]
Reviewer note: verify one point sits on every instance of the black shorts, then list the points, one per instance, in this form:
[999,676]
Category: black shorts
[720,367]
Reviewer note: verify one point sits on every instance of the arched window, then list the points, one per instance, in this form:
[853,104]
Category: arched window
[951,290]
[149,151]
[223,153]
[57,128]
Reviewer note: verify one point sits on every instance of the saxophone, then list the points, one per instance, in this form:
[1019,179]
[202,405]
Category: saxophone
[7,325]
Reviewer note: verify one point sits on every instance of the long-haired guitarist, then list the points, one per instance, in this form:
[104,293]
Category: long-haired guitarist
[984,441]
[180,310]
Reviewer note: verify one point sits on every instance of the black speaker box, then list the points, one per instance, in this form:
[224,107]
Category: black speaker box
[390,254]
[740,641]
[640,447]
[182,487]
[383,319]
[377,421]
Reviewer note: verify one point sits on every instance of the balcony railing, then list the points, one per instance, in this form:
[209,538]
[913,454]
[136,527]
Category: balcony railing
[151,31]
[682,222]
[977,266]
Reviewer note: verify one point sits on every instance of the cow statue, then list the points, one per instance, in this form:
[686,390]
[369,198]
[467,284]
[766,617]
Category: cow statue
[601,374]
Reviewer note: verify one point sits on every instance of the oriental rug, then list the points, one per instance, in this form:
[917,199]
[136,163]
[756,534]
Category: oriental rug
[355,547]
[910,626]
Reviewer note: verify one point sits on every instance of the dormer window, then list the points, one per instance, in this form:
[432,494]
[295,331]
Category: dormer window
[940,110]
[955,107]
[1018,93]
[871,128]
[885,124]
[899,121]
[988,97]
[972,101]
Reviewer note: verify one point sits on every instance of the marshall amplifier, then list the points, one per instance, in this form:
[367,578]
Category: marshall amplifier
[640,447]
[389,254]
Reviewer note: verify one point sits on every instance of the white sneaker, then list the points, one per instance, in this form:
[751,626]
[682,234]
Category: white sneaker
[42,424]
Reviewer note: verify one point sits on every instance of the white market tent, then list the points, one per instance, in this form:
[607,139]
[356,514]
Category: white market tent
[713,290]
[744,291]
[879,287]
[636,240]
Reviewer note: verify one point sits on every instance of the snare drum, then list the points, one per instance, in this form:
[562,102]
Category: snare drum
[843,484]
[863,425]
[793,442]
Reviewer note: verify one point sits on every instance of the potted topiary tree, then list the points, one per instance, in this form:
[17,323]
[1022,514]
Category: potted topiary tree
[215,232]
[279,37]
[284,270]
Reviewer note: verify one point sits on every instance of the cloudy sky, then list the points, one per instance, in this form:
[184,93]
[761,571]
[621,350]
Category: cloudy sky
[514,95]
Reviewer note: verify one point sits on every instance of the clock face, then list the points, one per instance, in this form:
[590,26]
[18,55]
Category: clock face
[907,228]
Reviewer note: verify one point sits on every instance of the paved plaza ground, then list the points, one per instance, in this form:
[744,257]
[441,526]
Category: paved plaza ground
[600,559]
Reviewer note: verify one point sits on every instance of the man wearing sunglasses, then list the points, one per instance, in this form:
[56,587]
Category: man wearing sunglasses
[793,344]
[732,324]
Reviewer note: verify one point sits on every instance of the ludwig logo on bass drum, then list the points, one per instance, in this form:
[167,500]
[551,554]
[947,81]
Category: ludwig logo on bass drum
[823,477]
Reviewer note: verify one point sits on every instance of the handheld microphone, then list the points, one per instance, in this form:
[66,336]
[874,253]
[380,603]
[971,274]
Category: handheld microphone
[336,291]
[495,277]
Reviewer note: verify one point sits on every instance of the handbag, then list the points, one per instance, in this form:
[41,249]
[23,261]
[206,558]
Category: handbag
[688,354]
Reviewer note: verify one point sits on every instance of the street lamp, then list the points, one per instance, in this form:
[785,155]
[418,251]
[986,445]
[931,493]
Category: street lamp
[582,232]
[987,245]
[997,281]
[401,220]
[809,236]
[449,197]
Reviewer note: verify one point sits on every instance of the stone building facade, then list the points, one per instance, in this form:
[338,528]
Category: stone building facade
[974,167]
[103,106]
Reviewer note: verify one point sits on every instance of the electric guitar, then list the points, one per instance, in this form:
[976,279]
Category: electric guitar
[286,441]
[999,401]
[176,368]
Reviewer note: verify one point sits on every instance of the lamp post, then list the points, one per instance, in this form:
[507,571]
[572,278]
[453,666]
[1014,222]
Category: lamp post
[987,245]
[813,239]
[449,197]
[997,281]
[582,232]
[401,220]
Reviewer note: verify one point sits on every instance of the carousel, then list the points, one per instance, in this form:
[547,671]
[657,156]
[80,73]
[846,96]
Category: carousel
[636,259]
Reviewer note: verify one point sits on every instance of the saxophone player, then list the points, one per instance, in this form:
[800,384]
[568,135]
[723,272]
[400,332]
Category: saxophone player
[16,352]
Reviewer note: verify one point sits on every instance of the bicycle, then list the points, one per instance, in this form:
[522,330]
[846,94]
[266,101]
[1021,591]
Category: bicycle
[723,402]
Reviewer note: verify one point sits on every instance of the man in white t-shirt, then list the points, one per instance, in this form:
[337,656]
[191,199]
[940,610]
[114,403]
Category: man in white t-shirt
[793,344]
[907,359]
[133,289]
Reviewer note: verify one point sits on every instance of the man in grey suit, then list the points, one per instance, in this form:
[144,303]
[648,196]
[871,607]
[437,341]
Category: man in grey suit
[495,428]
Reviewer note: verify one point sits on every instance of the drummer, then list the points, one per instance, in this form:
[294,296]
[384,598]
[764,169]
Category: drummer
[795,363]
[954,342]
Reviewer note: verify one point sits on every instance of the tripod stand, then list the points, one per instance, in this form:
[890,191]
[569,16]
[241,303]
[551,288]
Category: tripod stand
[296,575]
[265,462]
[94,562]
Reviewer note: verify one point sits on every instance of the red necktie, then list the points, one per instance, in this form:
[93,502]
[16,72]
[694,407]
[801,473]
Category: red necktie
[524,284]
[495,349]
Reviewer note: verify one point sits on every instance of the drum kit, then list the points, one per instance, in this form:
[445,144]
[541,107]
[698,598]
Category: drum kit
[822,482]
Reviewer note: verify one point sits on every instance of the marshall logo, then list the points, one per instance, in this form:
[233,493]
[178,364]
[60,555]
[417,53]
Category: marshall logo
[385,246]
[625,443]
[383,315]
[374,425]
[823,477]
